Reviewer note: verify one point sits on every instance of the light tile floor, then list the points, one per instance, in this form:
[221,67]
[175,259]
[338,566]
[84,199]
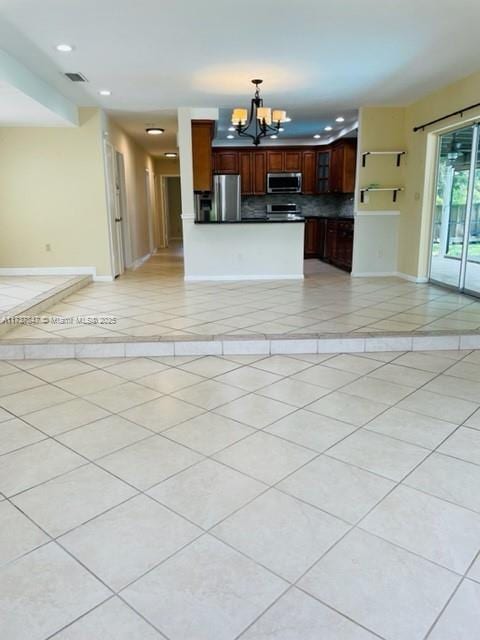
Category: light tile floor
[330,497]
[15,290]
[155,301]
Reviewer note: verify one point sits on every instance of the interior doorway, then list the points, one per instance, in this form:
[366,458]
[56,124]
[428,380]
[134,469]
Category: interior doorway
[172,210]
[148,197]
[455,248]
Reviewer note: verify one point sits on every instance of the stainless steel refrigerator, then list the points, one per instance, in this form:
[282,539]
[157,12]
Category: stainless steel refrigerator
[226,198]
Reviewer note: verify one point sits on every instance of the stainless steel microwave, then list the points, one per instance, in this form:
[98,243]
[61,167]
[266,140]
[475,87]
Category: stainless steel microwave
[284,182]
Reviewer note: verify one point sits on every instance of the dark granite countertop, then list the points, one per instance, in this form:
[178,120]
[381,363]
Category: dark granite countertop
[292,219]
[335,216]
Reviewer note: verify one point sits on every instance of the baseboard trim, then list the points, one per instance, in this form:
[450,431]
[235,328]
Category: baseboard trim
[103,278]
[416,279]
[374,274]
[242,277]
[48,271]
[390,274]
[55,271]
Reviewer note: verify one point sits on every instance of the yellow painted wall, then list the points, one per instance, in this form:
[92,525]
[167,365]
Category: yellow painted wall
[380,129]
[167,166]
[137,161]
[386,127]
[417,208]
[52,191]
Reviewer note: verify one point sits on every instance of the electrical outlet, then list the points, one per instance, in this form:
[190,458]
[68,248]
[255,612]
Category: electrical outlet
[48,247]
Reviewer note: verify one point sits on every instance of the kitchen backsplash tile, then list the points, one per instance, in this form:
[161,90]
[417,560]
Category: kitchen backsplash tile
[329,204]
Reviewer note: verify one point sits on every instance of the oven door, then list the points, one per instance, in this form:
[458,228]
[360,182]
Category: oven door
[284,183]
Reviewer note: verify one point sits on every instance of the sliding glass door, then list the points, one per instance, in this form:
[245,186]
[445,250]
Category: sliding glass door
[472,264]
[455,256]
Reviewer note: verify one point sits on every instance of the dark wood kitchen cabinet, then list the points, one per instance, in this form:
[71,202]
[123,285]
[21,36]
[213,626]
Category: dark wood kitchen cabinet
[339,243]
[344,246]
[330,240]
[226,162]
[342,167]
[329,169]
[292,161]
[202,156]
[259,179]
[245,162]
[323,171]
[275,161]
[308,172]
[311,241]
[288,161]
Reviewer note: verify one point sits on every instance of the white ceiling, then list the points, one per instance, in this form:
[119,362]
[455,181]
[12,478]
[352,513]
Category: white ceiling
[317,58]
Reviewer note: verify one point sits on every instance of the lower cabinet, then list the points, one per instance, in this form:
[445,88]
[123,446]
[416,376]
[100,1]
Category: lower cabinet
[311,243]
[330,240]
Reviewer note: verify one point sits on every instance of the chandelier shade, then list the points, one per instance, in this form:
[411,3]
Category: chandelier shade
[261,121]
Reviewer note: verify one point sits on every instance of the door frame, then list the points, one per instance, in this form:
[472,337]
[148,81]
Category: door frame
[123,206]
[475,147]
[116,241]
[163,190]
[150,208]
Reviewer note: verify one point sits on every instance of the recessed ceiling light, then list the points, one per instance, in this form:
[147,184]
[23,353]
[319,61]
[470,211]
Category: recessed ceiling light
[154,131]
[105,92]
[64,48]
[287,120]
[231,128]
[170,154]
[340,119]
[328,128]
[281,129]
[317,135]
[230,137]
[274,137]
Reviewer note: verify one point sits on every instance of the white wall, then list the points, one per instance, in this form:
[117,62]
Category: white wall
[375,249]
[244,251]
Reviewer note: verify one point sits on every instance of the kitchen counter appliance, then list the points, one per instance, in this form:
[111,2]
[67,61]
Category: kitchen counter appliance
[284,182]
[226,198]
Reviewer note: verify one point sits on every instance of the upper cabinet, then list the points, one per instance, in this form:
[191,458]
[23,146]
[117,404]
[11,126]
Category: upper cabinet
[292,160]
[324,169]
[342,167]
[202,156]
[259,168]
[275,161]
[226,162]
[308,171]
[246,170]
[287,160]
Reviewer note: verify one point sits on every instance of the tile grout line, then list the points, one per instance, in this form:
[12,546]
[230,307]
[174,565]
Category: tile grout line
[453,363]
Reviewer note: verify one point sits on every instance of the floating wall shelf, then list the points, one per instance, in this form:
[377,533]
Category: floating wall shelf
[399,154]
[394,190]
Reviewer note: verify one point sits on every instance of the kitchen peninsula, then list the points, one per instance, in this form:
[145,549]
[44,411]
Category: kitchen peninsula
[268,234]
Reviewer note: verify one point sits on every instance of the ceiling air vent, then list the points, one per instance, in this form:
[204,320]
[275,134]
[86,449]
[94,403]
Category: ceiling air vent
[76,77]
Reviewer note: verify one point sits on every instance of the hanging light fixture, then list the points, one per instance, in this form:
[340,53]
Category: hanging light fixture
[262,121]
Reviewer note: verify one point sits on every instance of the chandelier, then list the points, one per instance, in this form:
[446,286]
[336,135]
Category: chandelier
[261,122]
